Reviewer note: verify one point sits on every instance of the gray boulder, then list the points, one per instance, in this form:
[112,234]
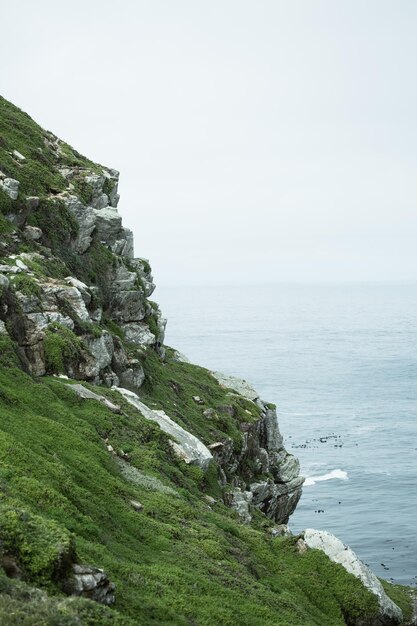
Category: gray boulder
[238,385]
[240,501]
[108,224]
[138,333]
[33,232]
[11,187]
[86,219]
[91,583]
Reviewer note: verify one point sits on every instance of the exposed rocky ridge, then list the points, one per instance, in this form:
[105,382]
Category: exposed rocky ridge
[74,302]
[96,326]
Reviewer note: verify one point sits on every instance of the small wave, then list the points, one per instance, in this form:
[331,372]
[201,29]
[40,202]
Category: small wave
[337,473]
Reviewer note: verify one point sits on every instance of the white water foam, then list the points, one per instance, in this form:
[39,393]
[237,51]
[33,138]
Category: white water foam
[336,473]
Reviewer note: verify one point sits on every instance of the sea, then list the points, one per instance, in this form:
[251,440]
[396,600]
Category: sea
[340,362]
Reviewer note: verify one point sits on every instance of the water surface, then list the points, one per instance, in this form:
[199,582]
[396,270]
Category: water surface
[340,362]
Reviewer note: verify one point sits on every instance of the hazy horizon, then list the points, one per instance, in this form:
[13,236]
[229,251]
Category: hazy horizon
[258,142]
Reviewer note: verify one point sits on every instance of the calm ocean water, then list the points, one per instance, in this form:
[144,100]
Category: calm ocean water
[340,362]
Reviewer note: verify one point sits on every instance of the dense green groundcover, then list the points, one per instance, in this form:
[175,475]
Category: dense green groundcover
[178,561]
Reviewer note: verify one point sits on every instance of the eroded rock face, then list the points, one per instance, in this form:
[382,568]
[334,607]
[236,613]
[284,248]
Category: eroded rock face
[267,476]
[103,319]
[338,552]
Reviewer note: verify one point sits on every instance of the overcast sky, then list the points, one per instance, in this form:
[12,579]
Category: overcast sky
[257,140]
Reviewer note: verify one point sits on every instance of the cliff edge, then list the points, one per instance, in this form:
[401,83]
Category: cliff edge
[135,487]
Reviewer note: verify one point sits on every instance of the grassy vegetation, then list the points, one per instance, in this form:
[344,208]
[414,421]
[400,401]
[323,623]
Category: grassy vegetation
[171,385]
[57,223]
[65,497]
[23,605]
[26,285]
[37,173]
[8,355]
[178,561]
[62,349]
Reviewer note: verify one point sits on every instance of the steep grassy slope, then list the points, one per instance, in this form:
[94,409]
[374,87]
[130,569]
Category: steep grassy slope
[177,561]
[82,483]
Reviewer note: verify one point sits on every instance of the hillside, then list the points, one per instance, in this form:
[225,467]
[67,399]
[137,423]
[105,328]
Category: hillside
[136,488]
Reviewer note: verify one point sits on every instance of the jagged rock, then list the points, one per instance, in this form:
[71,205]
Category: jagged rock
[138,333]
[92,583]
[181,358]
[101,350]
[29,303]
[11,187]
[237,384]
[281,531]
[187,446]
[128,306]
[161,323]
[123,279]
[3,329]
[110,379]
[240,501]
[262,453]
[124,245]
[71,298]
[339,552]
[143,270]
[277,501]
[33,232]
[301,546]
[4,281]
[86,394]
[98,200]
[108,224]
[82,288]
[86,219]
[32,202]
[133,377]
[39,321]
[10,269]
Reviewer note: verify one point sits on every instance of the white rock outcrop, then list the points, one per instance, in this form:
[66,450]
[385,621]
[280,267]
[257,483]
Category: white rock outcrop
[86,394]
[238,385]
[187,446]
[338,552]
[11,187]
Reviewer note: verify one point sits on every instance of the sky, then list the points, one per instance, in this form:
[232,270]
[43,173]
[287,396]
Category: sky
[259,141]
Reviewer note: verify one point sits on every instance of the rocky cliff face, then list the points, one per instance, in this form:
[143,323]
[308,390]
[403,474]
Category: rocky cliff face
[117,453]
[75,302]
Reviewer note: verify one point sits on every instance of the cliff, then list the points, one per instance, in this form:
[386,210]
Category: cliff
[129,478]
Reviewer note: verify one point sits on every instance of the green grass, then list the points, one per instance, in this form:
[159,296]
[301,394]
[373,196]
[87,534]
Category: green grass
[171,385]
[37,174]
[176,562]
[62,349]
[64,496]
[26,285]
